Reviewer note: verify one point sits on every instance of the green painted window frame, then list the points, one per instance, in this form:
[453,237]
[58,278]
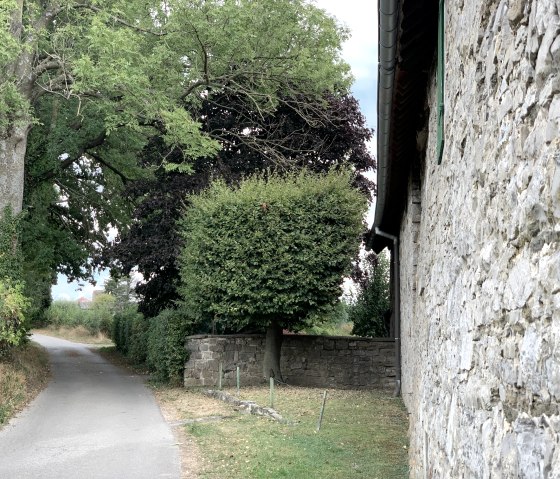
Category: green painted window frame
[440,81]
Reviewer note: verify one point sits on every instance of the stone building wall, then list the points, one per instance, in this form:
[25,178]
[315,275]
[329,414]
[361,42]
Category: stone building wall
[321,361]
[481,313]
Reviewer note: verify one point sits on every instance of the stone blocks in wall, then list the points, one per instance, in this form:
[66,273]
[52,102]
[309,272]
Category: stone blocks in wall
[319,361]
[481,327]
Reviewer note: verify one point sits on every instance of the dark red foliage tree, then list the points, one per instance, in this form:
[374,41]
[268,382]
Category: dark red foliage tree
[326,134]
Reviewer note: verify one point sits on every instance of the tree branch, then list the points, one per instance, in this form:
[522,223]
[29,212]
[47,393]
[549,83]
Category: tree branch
[50,63]
[119,20]
[49,174]
[119,173]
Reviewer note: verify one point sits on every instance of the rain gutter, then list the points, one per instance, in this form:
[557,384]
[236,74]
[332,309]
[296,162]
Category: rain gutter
[388,11]
[388,28]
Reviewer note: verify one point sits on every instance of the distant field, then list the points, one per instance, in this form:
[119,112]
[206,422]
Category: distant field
[78,334]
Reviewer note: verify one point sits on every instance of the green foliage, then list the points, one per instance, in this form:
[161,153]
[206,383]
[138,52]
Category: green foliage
[13,304]
[130,334]
[13,107]
[271,249]
[336,323]
[70,210]
[10,251]
[97,318]
[97,79]
[166,346]
[373,302]
[158,342]
[133,63]
[102,311]
[121,289]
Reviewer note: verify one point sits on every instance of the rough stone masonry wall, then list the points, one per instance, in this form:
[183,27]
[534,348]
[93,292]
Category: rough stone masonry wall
[321,361]
[481,316]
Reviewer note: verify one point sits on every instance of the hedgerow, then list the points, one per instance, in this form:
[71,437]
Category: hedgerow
[166,345]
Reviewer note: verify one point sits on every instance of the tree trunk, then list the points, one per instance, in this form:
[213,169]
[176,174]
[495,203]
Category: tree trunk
[13,136]
[12,161]
[273,345]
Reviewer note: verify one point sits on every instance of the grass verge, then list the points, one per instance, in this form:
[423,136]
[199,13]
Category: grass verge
[363,435]
[23,374]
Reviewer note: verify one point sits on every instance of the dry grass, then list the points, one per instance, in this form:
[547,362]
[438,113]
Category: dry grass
[178,405]
[363,435]
[78,334]
[23,375]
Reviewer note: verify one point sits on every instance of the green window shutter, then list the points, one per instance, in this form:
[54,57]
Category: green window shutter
[440,80]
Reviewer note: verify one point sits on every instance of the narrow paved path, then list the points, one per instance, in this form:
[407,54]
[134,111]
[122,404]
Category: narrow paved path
[93,421]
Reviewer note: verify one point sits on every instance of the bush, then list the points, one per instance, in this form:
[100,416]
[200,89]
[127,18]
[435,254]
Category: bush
[130,330]
[100,315]
[336,323]
[13,304]
[63,313]
[166,345]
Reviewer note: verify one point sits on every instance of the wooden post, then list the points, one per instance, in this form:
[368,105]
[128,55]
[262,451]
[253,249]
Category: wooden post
[272,392]
[220,376]
[238,380]
[322,411]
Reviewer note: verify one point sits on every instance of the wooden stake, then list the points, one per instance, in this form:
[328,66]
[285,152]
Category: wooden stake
[272,392]
[238,380]
[322,411]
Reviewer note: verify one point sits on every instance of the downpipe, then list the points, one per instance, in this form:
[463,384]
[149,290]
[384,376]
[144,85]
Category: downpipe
[396,306]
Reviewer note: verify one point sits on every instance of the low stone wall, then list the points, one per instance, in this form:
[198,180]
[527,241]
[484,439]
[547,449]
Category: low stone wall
[321,361]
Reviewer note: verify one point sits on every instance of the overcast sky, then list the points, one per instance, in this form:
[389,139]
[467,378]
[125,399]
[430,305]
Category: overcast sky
[360,51]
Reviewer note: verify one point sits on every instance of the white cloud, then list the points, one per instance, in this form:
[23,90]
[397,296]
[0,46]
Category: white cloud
[71,291]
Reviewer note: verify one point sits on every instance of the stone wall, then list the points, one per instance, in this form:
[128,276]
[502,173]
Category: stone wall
[481,270]
[321,361]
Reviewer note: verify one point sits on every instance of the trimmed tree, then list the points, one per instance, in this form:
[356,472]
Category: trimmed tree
[270,254]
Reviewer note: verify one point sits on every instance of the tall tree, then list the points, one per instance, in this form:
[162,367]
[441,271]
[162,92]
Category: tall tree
[270,253]
[122,290]
[331,132]
[135,64]
[370,313]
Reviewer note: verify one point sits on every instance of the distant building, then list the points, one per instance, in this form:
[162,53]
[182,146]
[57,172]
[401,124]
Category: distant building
[84,303]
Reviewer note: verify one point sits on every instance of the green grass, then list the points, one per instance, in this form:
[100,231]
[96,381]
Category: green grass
[363,435]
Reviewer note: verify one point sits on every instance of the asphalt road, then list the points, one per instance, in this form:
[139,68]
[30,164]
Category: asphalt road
[92,421]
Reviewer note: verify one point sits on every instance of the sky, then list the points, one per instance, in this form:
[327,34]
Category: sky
[360,51]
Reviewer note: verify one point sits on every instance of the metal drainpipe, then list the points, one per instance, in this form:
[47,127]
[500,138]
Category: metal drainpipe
[397,306]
